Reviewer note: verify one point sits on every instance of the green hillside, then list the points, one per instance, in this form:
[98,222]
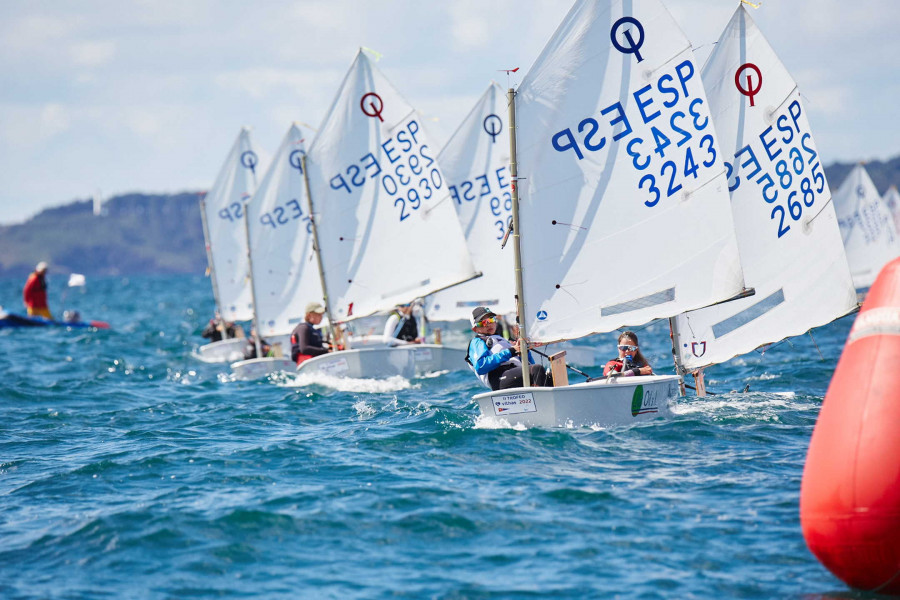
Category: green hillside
[137,233]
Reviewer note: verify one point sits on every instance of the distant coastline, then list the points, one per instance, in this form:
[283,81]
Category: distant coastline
[162,234]
[134,234]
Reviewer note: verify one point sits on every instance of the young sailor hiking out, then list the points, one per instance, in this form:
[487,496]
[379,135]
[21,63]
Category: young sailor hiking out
[494,359]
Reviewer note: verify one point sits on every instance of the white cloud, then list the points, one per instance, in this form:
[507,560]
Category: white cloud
[27,127]
[33,30]
[263,82]
[92,54]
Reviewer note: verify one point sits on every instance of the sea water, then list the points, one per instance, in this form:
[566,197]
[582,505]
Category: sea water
[130,470]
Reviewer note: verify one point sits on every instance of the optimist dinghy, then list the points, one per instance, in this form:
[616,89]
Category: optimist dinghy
[475,162]
[222,211]
[227,350]
[280,261]
[384,227]
[624,214]
[867,227]
[781,205]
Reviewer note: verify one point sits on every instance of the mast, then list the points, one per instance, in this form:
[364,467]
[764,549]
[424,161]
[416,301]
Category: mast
[252,286]
[517,243]
[212,266]
[679,368]
[315,232]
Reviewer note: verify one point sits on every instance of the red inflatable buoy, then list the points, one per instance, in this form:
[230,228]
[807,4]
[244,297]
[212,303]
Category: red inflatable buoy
[850,495]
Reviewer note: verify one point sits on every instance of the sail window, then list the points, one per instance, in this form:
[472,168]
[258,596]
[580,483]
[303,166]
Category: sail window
[653,299]
[748,314]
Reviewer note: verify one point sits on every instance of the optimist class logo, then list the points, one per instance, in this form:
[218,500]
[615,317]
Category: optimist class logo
[749,91]
[375,105]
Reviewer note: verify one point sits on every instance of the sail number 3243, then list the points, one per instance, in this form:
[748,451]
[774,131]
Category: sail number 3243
[666,135]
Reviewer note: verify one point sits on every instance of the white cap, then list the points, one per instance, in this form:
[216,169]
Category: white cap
[41,266]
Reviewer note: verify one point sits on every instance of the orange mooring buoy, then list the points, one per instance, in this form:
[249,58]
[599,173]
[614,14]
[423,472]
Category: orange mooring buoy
[850,495]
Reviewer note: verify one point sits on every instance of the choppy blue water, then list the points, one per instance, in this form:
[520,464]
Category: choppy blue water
[130,470]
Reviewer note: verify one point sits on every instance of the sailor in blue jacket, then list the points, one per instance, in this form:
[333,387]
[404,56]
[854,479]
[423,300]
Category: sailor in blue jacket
[494,359]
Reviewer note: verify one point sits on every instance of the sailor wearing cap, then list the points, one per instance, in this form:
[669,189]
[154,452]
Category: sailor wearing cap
[306,340]
[494,359]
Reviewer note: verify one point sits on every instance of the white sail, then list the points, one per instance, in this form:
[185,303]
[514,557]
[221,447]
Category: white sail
[386,223]
[787,230]
[225,204]
[867,227]
[285,274]
[892,199]
[476,164]
[624,204]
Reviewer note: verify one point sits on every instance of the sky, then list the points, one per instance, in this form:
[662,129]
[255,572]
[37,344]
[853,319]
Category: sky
[105,97]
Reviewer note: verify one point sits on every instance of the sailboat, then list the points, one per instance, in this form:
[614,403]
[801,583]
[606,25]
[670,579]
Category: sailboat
[475,162]
[624,214]
[787,229]
[222,213]
[283,273]
[384,221]
[892,199]
[867,227]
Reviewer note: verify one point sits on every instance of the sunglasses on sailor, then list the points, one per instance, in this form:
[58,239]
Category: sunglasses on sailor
[627,347]
[487,321]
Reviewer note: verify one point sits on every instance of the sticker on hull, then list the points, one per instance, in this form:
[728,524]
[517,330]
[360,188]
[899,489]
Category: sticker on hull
[645,401]
[513,404]
[422,355]
[334,367]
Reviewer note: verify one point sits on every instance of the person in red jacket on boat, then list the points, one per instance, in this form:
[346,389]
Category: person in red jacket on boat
[630,361]
[35,293]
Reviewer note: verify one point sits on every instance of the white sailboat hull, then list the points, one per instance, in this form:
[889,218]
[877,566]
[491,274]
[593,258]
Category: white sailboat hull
[257,368]
[620,401]
[228,350]
[380,362]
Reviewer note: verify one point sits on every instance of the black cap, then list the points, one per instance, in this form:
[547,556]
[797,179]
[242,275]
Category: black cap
[481,313]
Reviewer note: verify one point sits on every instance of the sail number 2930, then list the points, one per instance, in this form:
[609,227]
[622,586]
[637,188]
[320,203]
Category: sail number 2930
[404,166]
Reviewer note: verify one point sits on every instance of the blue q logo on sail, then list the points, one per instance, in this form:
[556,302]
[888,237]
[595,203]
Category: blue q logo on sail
[250,160]
[634,46]
[296,159]
[493,126]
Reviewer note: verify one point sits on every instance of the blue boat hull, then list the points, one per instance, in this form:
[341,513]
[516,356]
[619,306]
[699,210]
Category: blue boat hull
[11,320]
